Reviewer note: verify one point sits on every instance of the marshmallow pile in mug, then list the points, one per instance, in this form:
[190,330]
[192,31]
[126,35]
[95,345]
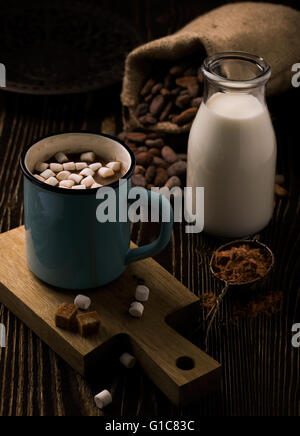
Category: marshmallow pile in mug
[75,175]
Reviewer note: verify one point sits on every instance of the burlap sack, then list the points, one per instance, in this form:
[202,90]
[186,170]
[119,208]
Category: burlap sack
[268,30]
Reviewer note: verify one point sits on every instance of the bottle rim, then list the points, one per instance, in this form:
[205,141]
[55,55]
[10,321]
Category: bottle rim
[263,70]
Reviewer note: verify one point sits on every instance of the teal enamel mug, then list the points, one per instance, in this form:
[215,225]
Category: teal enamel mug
[66,244]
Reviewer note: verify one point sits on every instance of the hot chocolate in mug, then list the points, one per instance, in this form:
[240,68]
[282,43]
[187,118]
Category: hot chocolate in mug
[66,246]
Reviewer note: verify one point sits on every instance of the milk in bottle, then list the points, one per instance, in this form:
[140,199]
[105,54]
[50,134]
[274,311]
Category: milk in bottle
[232,150]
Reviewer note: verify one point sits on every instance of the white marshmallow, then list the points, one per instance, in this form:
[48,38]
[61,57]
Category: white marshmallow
[87,172]
[82,302]
[47,174]
[88,157]
[95,166]
[69,166]
[64,175]
[66,184]
[136,310]
[41,179]
[81,166]
[142,293]
[79,187]
[56,167]
[128,360]
[52,181]
[96,186]
[106,173]
[76,178]
[103,399]
[41,166]
[115,166]
[61,158]
[88,181]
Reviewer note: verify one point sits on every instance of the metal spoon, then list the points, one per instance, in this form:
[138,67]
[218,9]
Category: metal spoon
[253,244]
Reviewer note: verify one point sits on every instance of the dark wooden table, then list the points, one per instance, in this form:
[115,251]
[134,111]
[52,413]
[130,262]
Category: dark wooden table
[261,368]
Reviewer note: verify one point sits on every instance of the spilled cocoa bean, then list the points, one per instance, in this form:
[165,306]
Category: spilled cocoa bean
[185,117]
[169,155]
[139,180]
[161,177]
[173,182]
[144,159]
[150,174]
[177,169]
[157,105]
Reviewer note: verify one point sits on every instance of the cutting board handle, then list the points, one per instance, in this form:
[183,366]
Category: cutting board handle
[179,368]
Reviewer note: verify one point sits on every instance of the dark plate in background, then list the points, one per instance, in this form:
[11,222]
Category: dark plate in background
[63,47]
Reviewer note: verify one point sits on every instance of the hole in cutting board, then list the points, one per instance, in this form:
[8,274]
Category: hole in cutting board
[185,363]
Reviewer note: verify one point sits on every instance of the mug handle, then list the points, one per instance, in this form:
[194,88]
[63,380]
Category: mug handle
[157,246]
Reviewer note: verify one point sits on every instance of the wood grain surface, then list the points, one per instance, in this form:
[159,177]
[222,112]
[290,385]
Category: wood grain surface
[261,369]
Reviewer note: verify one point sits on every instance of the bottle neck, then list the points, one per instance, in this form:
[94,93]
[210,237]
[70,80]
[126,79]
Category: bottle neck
[211,89]
[235,72]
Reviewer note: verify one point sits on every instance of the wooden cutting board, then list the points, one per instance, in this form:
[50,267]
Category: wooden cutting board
[180,369]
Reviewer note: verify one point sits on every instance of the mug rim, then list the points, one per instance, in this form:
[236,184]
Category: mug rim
[58,190]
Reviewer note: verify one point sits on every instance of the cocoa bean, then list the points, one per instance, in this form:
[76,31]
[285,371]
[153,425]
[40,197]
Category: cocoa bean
[166,112]
[142,109]
[196,102]
[144,159]
[169,155]
[168,82]
[147,120]
[177,169]
[155,152]
[185,117]
[161,177]
[182,156]
[138,137]
[173,182]
[194,90]
[139,170]
[139,180]
[183,101]
[142,149]
[160,163]
[184,92]
[184,82]
[147,88]
[175,91]
[157,105]
[156,88]
[280,191]
[149,98]
[150,174]
[172,116]
[177,70]
[157,143]
[190,72]
[153,135]
[132,146]
[165,92]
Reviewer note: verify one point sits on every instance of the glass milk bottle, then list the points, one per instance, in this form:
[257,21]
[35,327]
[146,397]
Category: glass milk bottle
[232,147]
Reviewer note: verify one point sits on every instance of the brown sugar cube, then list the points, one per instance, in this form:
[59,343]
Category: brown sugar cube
[65,316]
[88,323]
